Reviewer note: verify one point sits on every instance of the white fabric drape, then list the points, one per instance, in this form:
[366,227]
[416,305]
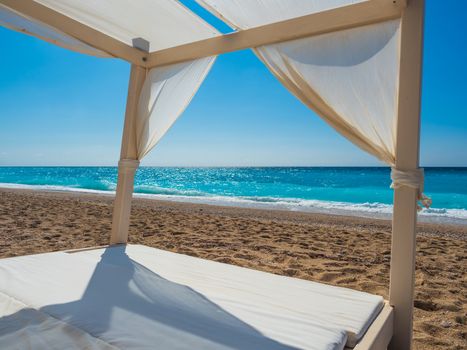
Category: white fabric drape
[20,23]
[349,77]
[166,93]
[163,23]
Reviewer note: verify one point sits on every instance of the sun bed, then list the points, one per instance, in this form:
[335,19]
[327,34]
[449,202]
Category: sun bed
[133,297]
[356,63]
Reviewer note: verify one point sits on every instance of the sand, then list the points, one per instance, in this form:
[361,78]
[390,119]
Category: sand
[343,251]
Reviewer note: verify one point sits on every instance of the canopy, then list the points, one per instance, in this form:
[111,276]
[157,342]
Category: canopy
[356,63]
[348,77]
[124,20]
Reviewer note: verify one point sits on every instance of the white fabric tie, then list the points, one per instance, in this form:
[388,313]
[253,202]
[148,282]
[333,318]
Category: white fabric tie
[128,165]
[413,179]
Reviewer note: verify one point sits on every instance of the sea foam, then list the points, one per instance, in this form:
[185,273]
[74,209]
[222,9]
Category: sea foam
[367,209]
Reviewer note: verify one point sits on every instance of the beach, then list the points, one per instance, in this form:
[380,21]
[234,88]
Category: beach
[345,251]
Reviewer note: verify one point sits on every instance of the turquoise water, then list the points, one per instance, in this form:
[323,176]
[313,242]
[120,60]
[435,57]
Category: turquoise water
[359,190]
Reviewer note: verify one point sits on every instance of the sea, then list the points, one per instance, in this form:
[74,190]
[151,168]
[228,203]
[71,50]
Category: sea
[359,191]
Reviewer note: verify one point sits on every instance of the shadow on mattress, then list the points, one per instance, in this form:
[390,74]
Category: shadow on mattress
[129,306]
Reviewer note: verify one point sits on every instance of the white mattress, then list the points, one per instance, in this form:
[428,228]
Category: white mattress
[136,297]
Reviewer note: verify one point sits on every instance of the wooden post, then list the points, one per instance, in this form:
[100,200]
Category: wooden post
[404,221]
[128,160]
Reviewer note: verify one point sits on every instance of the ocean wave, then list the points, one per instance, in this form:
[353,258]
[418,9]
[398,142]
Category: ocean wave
[155,190]
[54,188]
[370,210]
[367,209]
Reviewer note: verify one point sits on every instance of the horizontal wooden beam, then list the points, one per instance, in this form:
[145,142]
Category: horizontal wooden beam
[346,17]
[77,30]
[341,18]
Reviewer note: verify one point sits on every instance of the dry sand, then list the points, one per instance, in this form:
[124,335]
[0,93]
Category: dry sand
[349,252]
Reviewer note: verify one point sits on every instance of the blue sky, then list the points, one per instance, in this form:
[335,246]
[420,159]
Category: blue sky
[62,108]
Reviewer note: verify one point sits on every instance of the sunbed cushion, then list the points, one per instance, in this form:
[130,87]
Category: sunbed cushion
[137,297]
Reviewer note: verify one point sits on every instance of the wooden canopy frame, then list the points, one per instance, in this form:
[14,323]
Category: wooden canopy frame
[408,121]
[359,14]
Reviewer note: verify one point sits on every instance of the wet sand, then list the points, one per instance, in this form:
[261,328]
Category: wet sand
[345,251]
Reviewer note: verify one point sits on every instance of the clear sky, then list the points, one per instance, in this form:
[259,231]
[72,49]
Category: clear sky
[62,108]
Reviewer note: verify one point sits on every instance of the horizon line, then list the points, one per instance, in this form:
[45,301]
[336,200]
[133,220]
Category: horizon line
[226,166]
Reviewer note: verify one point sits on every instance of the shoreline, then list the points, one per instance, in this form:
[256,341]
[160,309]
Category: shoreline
[239,202]
[344,251]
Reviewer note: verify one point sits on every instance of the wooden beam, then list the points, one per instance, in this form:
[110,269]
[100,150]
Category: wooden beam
[77,30]
[341,18]
[404,220]
[128,160]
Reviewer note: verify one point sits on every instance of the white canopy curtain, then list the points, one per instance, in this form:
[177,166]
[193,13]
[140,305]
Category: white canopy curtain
[166,93]
[163,23]
[348,77]
[21,23]
[350,81]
